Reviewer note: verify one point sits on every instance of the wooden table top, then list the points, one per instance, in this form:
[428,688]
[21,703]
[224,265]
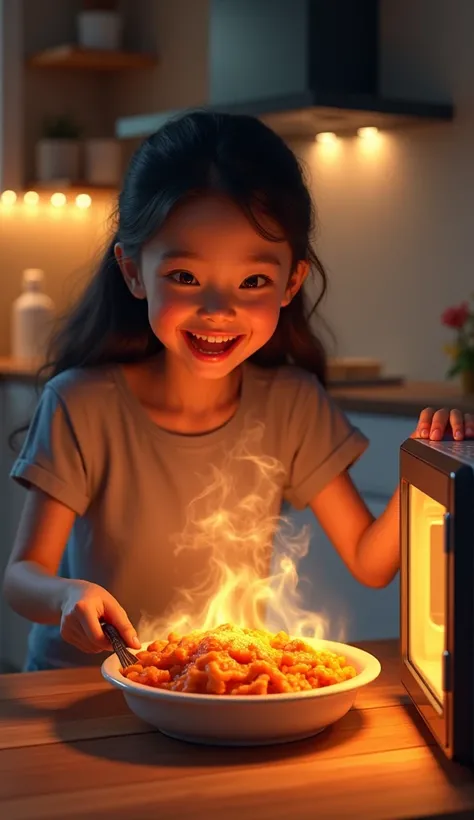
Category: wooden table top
[69,748]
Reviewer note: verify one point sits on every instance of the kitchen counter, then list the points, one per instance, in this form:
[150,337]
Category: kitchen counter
[11,368]
[402,399]
[69,748]
[405,399]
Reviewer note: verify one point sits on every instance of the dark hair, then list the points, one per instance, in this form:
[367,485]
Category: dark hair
[196,153]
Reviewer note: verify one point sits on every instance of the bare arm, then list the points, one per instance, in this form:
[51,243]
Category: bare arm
[33,590]
[368,547]
[371,548]
[30,584]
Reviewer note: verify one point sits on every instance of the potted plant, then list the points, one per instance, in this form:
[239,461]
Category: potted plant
[58,151]
[99,25]
[460,318]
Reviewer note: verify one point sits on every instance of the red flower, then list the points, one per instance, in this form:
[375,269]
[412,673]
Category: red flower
[456,317]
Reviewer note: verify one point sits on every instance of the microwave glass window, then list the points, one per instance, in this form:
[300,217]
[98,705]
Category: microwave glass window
[426,589]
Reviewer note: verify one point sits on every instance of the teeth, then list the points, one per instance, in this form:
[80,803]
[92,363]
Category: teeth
[215,339]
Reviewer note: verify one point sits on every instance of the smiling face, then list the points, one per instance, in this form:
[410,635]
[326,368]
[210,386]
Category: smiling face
[214,287]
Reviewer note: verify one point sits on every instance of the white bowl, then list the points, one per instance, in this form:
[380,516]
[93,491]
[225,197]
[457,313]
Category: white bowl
[246,720]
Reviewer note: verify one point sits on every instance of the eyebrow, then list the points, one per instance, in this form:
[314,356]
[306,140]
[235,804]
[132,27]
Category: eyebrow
[257,258]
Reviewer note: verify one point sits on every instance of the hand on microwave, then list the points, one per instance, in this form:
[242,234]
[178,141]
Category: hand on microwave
[436,424]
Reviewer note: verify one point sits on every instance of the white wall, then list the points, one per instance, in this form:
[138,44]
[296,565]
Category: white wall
[177,30]
[396,223]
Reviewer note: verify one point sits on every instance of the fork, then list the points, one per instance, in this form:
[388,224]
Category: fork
[125,657]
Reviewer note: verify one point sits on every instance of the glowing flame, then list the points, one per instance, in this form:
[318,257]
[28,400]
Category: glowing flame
[240,584]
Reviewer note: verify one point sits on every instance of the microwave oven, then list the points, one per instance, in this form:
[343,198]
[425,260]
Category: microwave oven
[437,588]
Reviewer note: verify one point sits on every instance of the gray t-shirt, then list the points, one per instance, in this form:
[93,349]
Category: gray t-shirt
[146,499]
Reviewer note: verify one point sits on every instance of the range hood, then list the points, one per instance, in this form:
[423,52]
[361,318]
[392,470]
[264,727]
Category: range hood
[302,66]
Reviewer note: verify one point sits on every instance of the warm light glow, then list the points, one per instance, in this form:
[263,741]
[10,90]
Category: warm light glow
[326,138]
[248,571]
[58,200]
[31,198]
[368,132]
[8,197]
[83,201]
[427,589]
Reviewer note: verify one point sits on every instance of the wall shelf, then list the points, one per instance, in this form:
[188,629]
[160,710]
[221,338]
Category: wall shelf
[74,187]
[82,59]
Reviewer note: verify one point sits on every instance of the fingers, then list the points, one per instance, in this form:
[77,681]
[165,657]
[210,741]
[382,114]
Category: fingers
[73,633]
[439,424]
[89,621]
[82,628]
[84,608]
[116,615]
[456,420]
[433,424]
[424,423]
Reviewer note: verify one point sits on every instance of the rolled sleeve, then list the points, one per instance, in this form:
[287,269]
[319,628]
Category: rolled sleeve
[52,458]
[327,444]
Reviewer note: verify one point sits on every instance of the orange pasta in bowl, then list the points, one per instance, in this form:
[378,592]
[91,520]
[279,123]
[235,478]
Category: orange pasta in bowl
[231,660]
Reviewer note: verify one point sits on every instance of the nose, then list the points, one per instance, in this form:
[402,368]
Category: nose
[216,305]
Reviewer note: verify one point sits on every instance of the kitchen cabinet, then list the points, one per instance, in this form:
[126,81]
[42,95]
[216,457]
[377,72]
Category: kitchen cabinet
[376,473]
[17,401]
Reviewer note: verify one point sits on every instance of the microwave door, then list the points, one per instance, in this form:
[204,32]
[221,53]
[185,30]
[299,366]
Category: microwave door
[437,589]
[425,605]
[428,520]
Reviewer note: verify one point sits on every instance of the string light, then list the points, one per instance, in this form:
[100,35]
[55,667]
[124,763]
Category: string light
[8,198]
[368,132]
[83,201]
[326,137]
[31,198]
[58,200]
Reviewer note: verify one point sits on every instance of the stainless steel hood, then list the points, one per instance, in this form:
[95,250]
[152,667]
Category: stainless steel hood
[302,66]
[302,116]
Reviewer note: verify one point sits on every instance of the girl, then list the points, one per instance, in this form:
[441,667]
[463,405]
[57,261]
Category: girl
[194,328]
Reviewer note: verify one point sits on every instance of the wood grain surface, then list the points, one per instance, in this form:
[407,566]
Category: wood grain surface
[70,748]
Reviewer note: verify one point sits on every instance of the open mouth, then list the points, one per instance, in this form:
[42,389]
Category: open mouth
[215,346]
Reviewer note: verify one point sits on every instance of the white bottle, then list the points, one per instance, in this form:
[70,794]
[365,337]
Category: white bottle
[32,316]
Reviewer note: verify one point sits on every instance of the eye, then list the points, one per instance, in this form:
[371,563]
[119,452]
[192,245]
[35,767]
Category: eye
[183,277]
[256,281]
